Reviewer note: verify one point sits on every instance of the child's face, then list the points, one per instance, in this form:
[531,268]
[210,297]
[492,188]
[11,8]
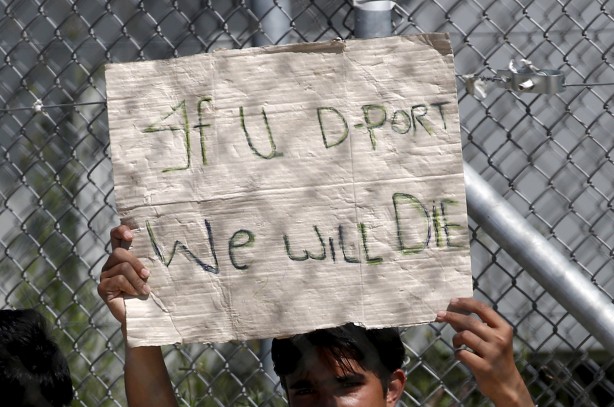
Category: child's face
[324,383]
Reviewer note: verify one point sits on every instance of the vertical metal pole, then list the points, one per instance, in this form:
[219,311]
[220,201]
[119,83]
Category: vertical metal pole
[591,307]
[273,21]
[372,18]
[274,25]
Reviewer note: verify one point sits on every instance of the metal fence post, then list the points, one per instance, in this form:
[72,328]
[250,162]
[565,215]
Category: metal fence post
[274,22]
[372,18]
[546,265]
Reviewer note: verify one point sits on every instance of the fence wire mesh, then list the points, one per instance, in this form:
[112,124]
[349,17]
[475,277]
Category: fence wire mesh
[549,156]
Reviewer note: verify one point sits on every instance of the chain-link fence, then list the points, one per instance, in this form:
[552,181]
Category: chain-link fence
[550,156]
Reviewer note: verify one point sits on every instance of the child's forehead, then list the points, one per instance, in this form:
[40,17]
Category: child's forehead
[324,368]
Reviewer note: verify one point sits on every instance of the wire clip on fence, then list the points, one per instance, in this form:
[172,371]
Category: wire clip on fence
[523,78]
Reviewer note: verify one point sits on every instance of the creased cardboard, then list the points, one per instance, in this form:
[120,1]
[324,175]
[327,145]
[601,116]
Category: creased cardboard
[273,191]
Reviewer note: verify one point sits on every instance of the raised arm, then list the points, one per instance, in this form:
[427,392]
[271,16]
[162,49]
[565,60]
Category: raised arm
[490,355]
[145,375]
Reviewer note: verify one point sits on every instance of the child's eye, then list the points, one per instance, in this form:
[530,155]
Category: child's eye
[304,391]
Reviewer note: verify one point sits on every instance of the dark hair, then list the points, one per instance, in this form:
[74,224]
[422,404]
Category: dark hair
[378,350]
[33,371]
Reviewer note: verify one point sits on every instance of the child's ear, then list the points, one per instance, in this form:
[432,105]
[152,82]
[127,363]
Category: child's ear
[396,385]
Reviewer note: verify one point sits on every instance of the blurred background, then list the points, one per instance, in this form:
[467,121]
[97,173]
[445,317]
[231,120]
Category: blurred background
[548,155]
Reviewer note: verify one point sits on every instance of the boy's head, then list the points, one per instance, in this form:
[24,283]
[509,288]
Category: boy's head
[33,371]
[344,366]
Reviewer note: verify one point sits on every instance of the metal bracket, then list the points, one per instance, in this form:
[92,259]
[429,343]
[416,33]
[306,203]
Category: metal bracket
[528,78]
[525,78]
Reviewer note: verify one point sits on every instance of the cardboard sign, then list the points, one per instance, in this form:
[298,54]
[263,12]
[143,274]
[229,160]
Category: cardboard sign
[274,191]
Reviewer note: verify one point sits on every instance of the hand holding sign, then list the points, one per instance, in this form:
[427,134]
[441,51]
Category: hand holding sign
[122,274]
[484,345]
